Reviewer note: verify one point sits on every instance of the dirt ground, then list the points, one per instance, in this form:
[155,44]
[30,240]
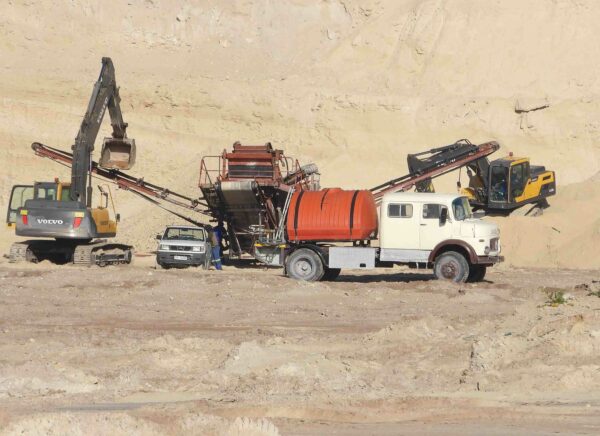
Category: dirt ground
[135,350]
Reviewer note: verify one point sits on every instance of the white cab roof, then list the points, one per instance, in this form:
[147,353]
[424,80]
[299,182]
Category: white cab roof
[420,197]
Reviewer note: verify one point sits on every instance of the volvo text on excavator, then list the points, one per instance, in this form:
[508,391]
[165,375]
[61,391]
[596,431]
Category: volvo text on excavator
[62,212]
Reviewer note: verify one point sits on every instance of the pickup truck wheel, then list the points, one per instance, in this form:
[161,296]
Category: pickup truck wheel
[304,264]
[331,274]
[477,273]
[451,266]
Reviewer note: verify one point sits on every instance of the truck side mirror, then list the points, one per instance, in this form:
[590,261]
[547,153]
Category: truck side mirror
[159,237]
[443,216]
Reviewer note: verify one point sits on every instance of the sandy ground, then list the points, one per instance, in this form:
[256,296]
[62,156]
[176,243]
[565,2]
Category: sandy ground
[135,350]
[352,85]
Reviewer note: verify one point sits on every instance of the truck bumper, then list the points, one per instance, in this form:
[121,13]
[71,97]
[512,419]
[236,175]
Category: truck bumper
[489,260]
[191,259]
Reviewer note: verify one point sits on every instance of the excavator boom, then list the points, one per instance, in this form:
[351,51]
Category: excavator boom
[117,151]
[442,160]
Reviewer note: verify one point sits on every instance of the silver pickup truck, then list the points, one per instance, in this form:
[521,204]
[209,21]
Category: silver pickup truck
[182,246]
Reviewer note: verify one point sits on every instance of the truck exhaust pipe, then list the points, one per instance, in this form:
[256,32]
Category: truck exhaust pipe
[117,154]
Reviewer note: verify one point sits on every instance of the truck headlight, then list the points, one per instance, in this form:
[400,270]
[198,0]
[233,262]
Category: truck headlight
[199,249]
[494,243]
[163,247]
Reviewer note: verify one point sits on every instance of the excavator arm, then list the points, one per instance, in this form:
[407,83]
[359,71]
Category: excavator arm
[436,162]
[118,152]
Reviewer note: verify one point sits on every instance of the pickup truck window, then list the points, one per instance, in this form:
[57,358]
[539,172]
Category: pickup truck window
[185,234]
[432,211]
[400,210]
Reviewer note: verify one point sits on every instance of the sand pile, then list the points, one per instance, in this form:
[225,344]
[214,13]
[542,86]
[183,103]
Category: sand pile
[352,85]
[566,235]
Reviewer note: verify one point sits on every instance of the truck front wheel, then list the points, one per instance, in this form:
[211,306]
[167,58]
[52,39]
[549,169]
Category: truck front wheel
[451,266]
[477,273]
[304,264]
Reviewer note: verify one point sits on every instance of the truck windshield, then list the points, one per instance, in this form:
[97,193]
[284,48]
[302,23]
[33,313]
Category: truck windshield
[461,209]
[187,234]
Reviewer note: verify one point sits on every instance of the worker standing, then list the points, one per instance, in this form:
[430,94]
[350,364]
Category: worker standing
[215,246]
[221,237]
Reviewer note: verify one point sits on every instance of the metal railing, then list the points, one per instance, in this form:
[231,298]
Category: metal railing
[205,178]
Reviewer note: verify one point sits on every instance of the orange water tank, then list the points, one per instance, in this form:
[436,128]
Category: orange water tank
[332,215]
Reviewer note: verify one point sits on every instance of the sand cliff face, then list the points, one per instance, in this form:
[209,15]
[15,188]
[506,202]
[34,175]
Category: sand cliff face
[350,85]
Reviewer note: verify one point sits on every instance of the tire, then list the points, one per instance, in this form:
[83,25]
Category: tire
[331,274]
[305,264]
[451,266]
[476,273]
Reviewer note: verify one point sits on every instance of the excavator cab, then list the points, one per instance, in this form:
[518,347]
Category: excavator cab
[117,153]
[513,182]
[49,191]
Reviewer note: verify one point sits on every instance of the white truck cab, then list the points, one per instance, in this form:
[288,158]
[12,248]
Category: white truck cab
[423,230]
[437,230]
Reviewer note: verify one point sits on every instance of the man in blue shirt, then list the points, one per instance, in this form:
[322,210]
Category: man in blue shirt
[215,242]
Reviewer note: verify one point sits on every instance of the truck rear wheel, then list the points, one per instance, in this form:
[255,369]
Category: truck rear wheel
[304,264]
[451,266]
[331,274]
[477,273]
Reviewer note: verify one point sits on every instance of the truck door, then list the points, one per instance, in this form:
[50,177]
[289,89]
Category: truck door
[398,226]
[18,196]
[432,230]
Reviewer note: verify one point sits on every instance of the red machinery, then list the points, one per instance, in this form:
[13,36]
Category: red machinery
[248,187]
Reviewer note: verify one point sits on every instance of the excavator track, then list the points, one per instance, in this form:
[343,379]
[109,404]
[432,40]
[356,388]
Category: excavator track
[102,254]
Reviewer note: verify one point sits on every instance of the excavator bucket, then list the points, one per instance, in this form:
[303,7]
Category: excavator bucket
[118,154]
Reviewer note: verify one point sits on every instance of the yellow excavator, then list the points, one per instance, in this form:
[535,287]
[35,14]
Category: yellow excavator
[59,215]
[497,186]
[509,183]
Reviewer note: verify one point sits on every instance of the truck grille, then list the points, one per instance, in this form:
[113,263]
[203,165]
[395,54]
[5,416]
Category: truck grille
[179,248]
